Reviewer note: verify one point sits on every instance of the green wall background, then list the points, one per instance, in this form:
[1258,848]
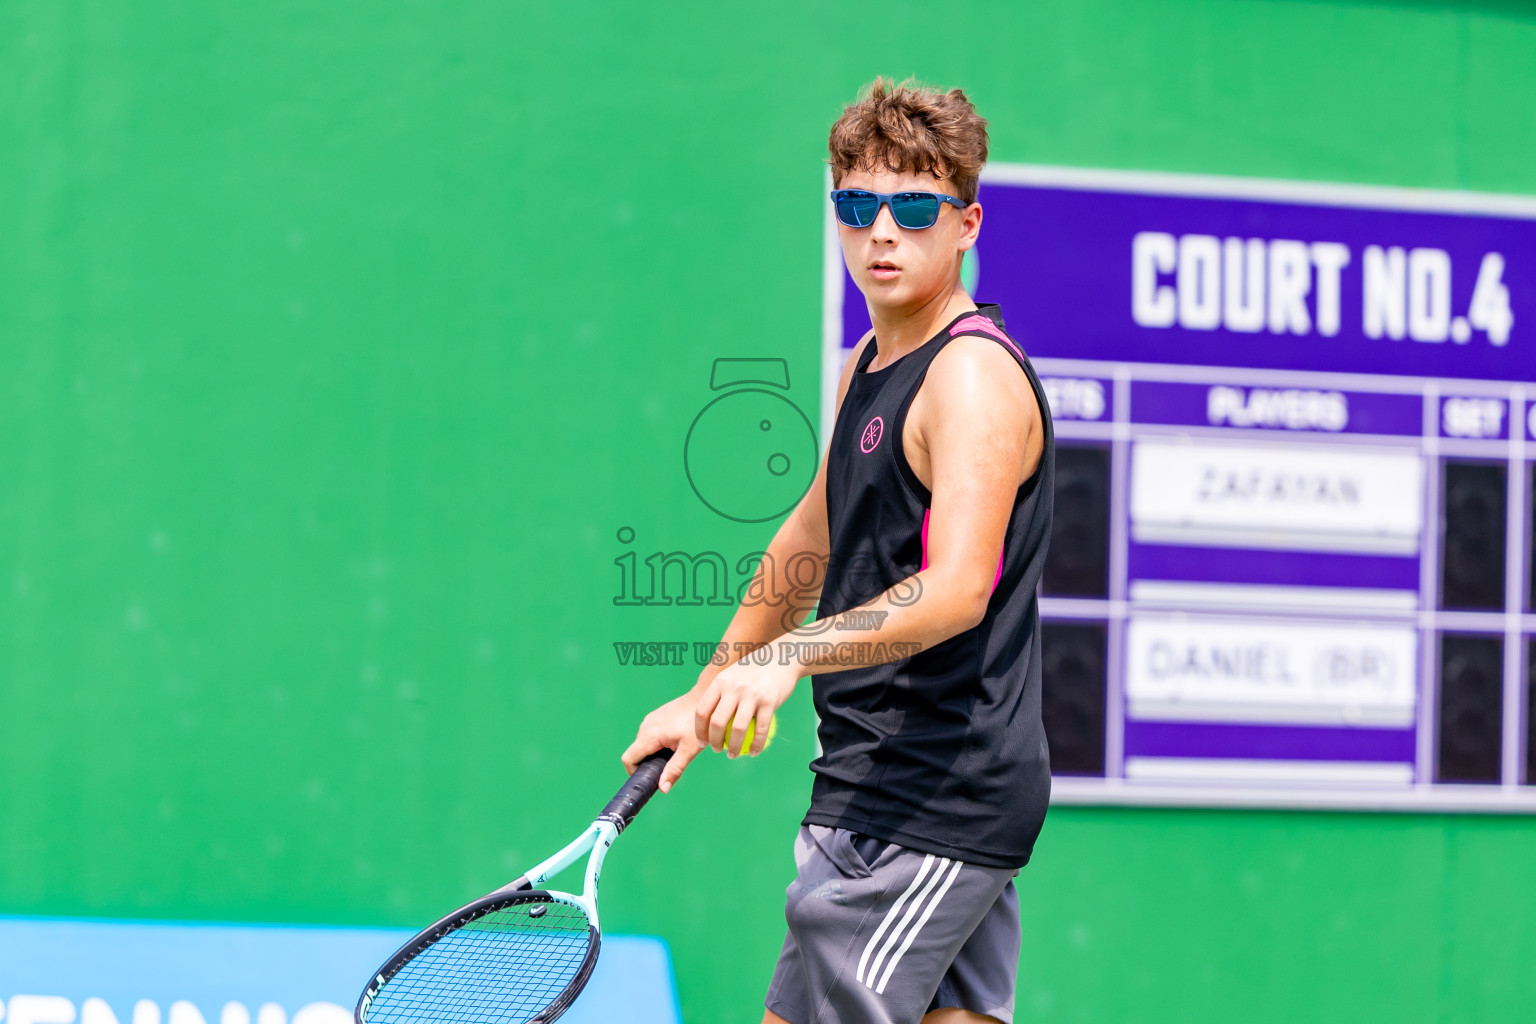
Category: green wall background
[337,343]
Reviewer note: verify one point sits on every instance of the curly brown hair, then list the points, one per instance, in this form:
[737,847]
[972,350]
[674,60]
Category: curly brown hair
[911,127]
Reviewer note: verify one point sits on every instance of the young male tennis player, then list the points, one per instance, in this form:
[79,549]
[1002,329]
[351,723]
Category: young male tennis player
[932,509]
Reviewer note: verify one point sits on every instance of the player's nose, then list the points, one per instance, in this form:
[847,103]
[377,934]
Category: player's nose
[884,229]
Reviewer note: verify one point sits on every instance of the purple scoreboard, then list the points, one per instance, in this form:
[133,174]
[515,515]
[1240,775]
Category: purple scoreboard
[1296,423]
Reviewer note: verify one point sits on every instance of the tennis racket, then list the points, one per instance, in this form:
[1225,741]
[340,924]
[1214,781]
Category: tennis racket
[519,955]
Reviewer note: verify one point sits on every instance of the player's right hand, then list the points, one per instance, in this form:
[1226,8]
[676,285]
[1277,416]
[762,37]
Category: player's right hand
[670,725]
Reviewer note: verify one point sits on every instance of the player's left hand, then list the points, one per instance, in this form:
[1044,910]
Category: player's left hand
[743,692]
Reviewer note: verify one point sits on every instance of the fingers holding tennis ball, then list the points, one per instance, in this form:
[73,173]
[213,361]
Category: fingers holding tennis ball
[743,695]
[745,747]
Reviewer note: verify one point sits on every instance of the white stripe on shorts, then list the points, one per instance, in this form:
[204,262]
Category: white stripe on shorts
[906,919]
[885,922]
[912,934]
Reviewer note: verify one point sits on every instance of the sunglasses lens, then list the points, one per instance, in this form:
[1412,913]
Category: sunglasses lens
[915,209]
[857,209]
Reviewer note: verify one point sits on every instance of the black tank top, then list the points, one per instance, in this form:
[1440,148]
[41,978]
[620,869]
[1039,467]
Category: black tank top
[942,751]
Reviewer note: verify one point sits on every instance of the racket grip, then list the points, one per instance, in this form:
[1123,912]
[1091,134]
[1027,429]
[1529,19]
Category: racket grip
[621,810]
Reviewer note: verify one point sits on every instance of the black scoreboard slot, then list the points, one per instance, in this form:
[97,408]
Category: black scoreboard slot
[1471,708]
[1073,701]
[1077,564]
[1530,712]
[1474,553]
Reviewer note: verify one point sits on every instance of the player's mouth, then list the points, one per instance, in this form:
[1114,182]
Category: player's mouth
[883,270]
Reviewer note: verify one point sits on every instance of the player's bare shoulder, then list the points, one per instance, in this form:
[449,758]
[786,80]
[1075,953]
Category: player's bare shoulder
[970,367]
[978,391]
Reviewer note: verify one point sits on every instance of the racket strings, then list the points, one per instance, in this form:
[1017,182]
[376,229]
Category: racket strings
[504,967]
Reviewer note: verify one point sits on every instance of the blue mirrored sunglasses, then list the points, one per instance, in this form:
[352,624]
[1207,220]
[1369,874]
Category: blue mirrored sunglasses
[858,209]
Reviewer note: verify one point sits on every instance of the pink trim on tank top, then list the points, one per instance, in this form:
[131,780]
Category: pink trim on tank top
[986,326]
[995,580]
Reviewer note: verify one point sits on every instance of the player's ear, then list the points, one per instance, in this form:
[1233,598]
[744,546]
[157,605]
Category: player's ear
[970,226]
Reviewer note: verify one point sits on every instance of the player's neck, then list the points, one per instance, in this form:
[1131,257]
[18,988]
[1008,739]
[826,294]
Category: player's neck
[900,331]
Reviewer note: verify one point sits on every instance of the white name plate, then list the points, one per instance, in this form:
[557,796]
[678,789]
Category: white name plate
[1300,497]
[1281,673]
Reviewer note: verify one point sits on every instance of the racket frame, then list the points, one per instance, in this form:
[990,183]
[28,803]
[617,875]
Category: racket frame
[507,896]
[596,838]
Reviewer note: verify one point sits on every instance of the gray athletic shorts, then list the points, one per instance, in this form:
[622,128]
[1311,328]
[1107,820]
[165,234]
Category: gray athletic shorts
[880,934]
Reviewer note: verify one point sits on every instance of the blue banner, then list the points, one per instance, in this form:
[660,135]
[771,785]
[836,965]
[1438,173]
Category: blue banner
[116,972]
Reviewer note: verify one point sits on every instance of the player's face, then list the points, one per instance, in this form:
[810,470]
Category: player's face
[902,269]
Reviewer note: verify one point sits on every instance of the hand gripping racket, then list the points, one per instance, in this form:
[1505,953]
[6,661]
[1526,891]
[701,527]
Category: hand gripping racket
[519,955]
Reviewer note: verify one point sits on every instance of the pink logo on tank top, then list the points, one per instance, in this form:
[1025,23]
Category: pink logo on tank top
[871,437]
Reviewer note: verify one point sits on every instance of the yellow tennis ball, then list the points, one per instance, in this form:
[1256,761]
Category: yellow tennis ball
[746,742]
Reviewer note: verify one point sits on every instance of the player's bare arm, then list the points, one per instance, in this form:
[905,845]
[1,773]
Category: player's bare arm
[973,437]
[674,725]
